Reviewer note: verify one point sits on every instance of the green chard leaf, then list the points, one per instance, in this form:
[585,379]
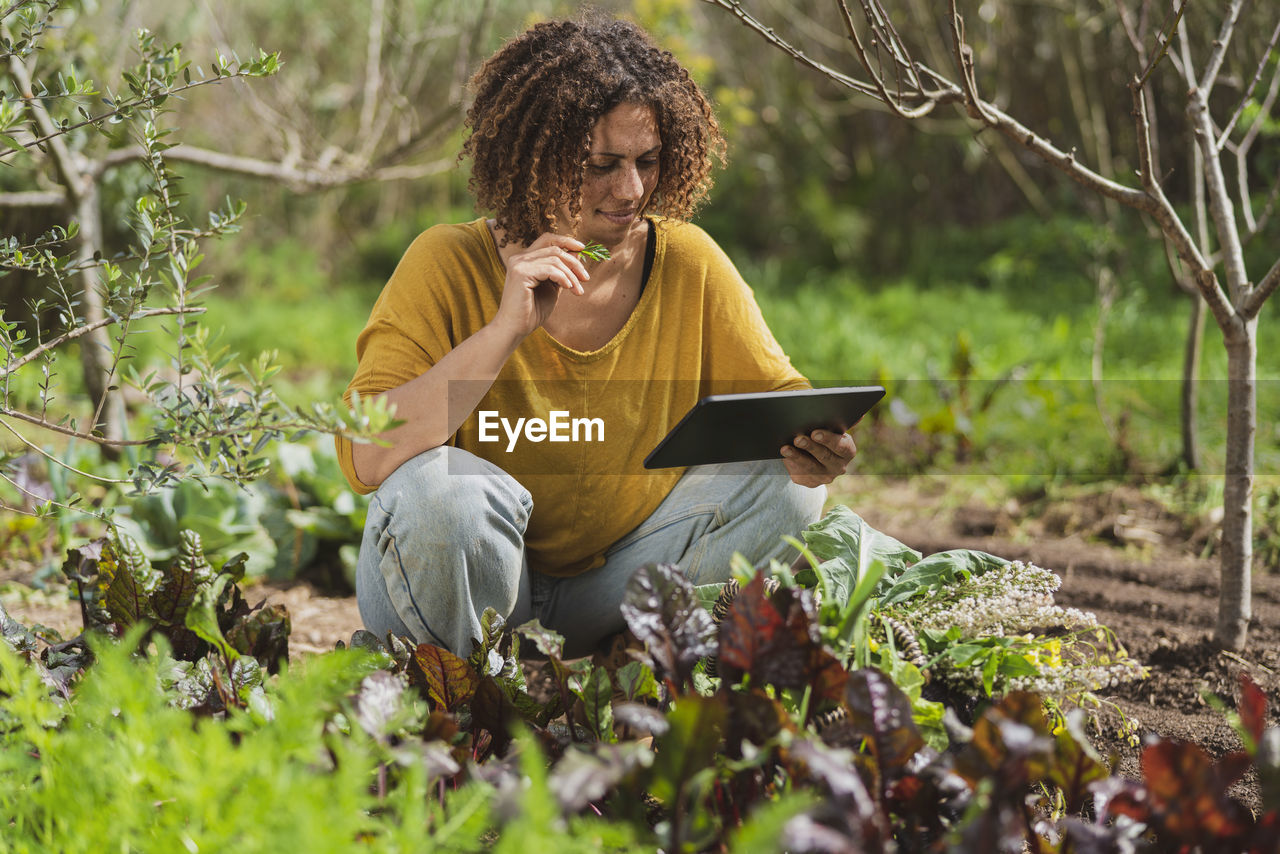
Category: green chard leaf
[937,571]
[202,616]
[848,547]
[596,692]
[171,601]
[128,594]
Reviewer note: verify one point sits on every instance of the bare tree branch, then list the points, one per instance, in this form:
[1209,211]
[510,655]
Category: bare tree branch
[1267,209]
[963,55]
[1136,34]
[1241,151]
[1221,209]
[1248,92]
[1164,36]
[301,177]
[767,32]
[1253,303]
[66,164]
[891,101]
[85,329]
[1024,182]
[33,199]
[1151,200]
[1219,52]
[268,114]
[372,74]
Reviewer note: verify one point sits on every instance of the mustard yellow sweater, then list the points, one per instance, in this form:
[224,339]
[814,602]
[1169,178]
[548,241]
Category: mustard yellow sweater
[590,417]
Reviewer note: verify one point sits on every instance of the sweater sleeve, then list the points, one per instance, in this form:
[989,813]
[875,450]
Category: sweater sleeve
[431,298]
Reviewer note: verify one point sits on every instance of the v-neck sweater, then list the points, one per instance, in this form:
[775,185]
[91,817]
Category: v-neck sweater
[696,330]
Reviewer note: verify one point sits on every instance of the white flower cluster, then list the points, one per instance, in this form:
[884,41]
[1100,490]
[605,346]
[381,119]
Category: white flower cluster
[1071,653]
[1069,680]
[1012,600]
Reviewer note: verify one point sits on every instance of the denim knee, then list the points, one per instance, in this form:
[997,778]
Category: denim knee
[445,540]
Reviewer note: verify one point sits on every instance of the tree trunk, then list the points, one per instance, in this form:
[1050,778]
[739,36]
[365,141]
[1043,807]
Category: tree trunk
[1234,600]
[1190,383]
[95,348]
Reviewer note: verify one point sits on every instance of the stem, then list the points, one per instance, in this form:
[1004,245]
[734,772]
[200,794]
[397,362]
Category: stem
[34,448]
[144,101]
[1190,379]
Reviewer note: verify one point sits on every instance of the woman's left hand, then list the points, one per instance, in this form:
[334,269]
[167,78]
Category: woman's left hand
[819,457]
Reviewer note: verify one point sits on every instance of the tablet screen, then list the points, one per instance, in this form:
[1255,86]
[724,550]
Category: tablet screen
[726,428]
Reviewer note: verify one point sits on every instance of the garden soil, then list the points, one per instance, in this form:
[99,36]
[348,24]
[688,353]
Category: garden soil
[1121,556]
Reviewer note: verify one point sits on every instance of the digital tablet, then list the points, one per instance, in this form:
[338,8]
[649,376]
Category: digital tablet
[727,428]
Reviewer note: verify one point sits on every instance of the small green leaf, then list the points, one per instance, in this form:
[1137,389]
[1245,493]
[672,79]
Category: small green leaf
[596,693]
[202,616]
[595,252]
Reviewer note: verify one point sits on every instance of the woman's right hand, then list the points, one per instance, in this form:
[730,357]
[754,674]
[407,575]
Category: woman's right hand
[535,278]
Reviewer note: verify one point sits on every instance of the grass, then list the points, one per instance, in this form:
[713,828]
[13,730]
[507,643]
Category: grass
[967,310]
[963,330]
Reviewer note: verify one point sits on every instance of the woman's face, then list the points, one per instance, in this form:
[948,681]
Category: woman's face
[622,172]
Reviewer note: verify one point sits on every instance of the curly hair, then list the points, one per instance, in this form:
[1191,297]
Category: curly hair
[537,99]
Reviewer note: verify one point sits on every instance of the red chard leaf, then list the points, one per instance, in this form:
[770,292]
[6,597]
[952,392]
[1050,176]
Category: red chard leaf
[449,680]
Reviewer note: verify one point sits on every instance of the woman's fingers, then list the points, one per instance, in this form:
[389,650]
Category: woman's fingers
[819,457]
[553,263]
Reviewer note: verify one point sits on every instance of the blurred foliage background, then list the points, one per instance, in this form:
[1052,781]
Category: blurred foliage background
[1022,331]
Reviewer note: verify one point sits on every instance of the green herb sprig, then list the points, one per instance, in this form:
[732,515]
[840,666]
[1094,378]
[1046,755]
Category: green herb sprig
[595,252]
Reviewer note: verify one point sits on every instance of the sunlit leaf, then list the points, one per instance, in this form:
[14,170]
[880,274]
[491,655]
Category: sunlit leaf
[449,680]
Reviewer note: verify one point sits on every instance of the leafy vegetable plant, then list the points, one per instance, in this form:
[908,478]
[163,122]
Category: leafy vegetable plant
[788,745]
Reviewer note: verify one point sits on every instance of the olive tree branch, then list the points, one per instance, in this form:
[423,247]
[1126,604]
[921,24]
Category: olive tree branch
[52,131]
[85,329]
[32,446]
[184,439]
[15,6]
[54,427]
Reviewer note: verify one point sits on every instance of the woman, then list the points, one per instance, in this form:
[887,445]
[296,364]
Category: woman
[493,334]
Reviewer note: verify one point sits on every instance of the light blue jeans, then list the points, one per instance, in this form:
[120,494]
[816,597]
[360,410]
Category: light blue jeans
[445,540]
